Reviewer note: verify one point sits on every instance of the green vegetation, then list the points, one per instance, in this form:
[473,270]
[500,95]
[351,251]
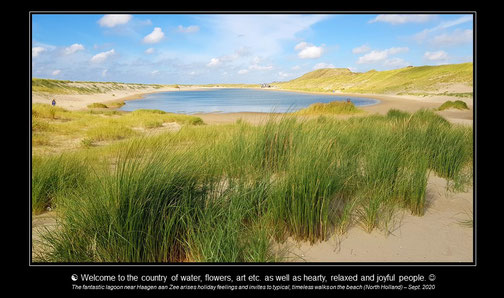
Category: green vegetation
[116,104]
[408,80]
[53,127]
[74,87]
[458,104]
[229,193]
[424,94]
[334,107]
[97,105]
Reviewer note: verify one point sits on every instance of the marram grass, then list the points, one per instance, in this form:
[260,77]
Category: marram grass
[458,104]
[229,193]
[334,108]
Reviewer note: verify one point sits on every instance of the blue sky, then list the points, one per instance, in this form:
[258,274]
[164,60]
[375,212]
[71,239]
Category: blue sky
[240,48]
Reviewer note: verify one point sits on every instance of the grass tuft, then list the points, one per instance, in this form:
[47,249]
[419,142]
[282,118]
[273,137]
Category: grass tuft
[458,104]
[334,107]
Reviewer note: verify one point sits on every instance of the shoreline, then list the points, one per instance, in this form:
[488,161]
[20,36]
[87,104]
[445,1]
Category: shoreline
[408,103]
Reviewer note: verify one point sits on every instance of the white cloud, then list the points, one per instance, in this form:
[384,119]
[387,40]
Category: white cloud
[395,63]
[296,67]
[112,20]
[226,59]
[149,51]
[147,22]
[104,72]
[378,56]
[214,62]
[300,46]
[284,74]
[155,36]
[454,38]
[435,56]
[259,67]
[323,65]
[362,49]
[308,51]
[37,51]
[373,56]
[272,30]
[100,57]
[396,19]
[56,72]
[448,24]
[421,36]
[73,48]
[189,29]
[243,71]
[311,52]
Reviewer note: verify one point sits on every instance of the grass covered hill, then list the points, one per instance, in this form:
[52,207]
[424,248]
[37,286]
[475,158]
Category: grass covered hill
[76,87]
[453,79]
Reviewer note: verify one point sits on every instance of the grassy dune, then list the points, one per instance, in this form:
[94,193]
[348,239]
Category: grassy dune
[54,126]
[75,87]
[228,193]
[409,80]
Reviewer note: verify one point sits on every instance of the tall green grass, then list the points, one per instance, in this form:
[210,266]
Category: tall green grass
[53,177]
[229,193]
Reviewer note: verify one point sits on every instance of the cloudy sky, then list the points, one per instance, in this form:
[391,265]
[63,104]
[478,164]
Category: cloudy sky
[240,48]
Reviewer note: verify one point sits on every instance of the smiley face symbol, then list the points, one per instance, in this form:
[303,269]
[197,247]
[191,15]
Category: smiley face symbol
[74,277]
[432,277]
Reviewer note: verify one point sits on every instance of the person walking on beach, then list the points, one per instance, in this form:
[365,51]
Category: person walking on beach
[53,102]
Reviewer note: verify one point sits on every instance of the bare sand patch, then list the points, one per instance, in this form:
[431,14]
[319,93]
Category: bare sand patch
[41,223]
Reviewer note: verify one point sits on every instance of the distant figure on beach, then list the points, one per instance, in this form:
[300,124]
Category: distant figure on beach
[53,102]
[348,100]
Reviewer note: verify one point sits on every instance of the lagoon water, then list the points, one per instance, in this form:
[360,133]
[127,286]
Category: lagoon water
[230,100]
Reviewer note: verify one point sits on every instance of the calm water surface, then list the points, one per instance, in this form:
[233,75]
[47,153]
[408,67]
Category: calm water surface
[231,100]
